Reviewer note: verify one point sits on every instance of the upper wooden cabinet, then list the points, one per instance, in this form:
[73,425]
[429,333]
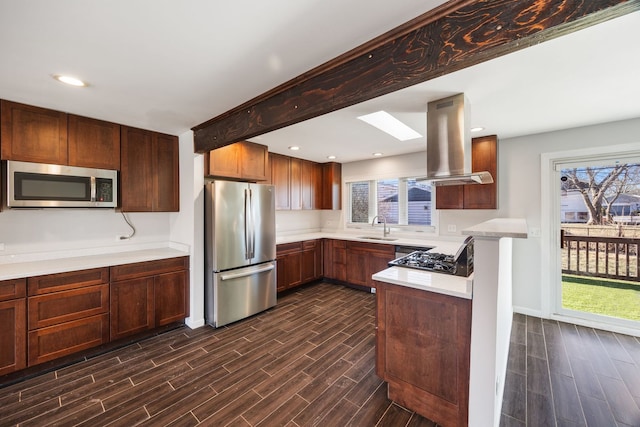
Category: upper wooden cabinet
[244,160]
[484,157]
[303,184]
[281,179]
[93,143]
[33,134]
[331,186]
[40,135]
[150,171]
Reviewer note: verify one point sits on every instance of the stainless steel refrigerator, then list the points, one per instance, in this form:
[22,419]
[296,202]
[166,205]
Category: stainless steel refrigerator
[240,250]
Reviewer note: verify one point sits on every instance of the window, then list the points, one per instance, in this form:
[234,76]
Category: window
[401,201]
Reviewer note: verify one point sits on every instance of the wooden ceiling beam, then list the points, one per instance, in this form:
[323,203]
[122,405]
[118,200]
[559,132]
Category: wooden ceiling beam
[456,35]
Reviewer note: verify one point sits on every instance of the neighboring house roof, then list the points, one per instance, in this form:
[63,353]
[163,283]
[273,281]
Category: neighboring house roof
[416,194]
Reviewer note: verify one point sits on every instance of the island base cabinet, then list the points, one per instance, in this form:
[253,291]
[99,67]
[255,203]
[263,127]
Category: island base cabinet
[423,342]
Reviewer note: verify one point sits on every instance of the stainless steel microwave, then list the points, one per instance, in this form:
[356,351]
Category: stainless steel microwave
[36,185]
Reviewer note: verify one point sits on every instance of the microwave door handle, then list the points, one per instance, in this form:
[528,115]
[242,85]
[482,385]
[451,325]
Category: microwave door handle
[93,188]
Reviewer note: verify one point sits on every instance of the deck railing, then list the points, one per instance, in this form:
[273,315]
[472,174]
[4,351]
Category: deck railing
[609,257]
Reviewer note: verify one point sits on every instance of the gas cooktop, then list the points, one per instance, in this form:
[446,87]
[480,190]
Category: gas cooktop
[460,264]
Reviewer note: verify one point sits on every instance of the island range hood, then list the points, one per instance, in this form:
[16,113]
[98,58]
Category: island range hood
[449,144]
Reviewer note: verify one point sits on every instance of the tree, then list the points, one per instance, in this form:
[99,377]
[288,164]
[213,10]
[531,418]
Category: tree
[599,187]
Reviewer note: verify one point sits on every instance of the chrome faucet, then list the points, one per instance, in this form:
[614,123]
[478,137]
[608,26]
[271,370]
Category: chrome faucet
[385,230]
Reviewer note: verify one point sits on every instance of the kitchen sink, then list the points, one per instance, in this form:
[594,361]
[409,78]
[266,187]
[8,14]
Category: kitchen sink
[388,239]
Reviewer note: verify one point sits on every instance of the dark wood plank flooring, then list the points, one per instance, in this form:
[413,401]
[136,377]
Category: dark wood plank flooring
[560,374]
[310,361]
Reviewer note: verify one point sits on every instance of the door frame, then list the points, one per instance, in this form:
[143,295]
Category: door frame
[550,243]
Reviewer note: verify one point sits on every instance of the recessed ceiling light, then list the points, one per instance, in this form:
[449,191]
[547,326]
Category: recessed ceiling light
[377,154]
[389,124]
[294,148]
[331,157]
[478,129]
[72,81]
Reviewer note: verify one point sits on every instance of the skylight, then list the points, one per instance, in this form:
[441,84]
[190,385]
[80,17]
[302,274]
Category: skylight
[389,124]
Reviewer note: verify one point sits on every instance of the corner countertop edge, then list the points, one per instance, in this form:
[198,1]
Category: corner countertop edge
[499,227]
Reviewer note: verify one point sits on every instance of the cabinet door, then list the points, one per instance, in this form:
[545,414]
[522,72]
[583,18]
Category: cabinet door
[225,161]
[254,161]
[295,182]
[311,185]
[378,260]
[33,134]
[166,173]
[339,260]
[357,267]
[13,335]
[93,143]
[136,177]
[331,186]
[309,261]
[280,179]
[171,297]
[485,155]
[132,309]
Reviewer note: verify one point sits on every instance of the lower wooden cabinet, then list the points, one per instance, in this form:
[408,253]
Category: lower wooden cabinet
[355,262]
[147,295]
[68,312]
[13,333]
[423,343]
[298,263]
[47,317]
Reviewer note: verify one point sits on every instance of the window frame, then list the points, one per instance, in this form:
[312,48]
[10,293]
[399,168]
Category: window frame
[403,206]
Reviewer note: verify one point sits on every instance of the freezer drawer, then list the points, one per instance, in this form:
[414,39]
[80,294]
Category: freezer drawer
[240,293]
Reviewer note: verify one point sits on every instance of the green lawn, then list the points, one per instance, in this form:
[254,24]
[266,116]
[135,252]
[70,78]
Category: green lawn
[614,298]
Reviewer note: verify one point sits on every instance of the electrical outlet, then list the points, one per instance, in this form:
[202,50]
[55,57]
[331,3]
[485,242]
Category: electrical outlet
[451,228]
[535,232]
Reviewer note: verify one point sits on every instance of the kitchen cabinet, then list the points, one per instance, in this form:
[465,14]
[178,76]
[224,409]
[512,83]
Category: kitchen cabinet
[335,259]
[280,178]
[150,179]
[33,134]
[13,318]
[298,263]
[93,143]
[40,135]
[147,295]
[243,161]
[331,186]
[295,183]
[484,157]
[365,259]
[67,312]
[311,185]
[423,342]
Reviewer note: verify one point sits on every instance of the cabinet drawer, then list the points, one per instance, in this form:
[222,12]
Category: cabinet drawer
[287,248]
[64,281]
[61,340]
[309,244]
[12,289]
[58,307]
[148,268]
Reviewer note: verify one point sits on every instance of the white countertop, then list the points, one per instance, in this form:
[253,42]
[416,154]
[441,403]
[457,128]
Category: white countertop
[16,270]
[440,245]
[499,227]
[447,284]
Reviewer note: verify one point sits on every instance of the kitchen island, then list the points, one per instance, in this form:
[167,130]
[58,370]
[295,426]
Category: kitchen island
[482,361]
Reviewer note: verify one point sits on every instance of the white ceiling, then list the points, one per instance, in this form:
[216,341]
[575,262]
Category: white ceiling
[170,65]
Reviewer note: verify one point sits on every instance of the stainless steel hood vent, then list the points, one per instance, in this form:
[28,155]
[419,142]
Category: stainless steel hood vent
[449,144]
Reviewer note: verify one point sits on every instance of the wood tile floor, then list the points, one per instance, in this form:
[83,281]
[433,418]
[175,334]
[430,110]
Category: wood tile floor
[310,361]
[560,374]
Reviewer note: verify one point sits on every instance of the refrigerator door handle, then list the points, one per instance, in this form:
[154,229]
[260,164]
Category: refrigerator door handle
[247,225]
[245,273]
[252,238]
